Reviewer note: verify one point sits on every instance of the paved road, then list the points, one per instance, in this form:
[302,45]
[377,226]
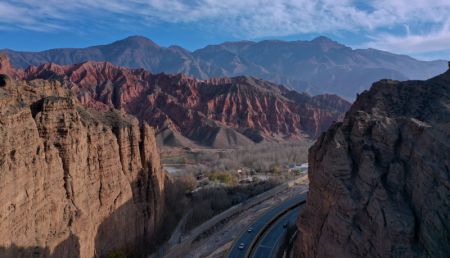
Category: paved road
[248,238]
[180,249]
[268,245]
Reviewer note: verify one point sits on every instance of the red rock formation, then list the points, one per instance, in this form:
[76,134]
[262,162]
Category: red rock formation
[379,181]
[6,67]
[73,182]
[195,108]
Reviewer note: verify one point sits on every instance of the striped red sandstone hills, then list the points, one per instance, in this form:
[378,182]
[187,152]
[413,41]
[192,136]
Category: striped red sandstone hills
[218,112]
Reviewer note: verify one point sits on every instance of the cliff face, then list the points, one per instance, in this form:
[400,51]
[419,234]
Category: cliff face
[379,181]
[220,111]
[73,182]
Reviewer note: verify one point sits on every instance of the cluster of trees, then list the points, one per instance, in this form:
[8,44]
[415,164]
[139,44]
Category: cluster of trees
[221,167]
[206,202]
[263,157]
[209,202]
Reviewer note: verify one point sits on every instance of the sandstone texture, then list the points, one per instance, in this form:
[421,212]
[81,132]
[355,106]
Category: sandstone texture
[74,182]
[219,112]
[379,180]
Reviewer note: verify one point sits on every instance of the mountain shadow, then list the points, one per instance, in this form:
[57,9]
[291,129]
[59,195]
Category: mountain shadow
[69,248]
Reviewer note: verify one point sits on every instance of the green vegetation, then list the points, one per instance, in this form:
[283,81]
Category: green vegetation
[117,254]
[223,177]
[174,160]
[275,169]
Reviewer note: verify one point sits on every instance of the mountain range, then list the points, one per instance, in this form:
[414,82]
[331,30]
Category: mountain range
[218,112]
[317,66]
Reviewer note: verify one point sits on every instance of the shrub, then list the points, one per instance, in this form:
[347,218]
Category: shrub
[187,182]
[223,177]
[117,254]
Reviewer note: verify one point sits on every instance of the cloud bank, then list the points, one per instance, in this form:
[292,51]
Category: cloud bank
[395,25]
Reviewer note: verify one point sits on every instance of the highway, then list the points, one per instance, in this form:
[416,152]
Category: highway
[181,248]
[243,245]
[268,244]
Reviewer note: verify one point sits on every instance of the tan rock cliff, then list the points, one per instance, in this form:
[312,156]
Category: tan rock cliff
[73,182]
[380,180]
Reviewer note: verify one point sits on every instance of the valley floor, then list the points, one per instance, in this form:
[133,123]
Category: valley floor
[215,242]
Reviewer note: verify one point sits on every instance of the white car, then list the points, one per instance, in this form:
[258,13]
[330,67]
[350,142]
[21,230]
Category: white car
[241,246]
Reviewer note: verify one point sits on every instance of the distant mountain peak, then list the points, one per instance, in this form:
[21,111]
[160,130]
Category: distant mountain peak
[323,39]
[327,43]
[137,40]
[240,42]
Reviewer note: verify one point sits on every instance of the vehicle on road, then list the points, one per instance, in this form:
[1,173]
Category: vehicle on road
[249,245]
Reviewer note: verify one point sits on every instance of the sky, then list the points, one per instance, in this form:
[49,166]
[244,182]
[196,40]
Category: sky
[420,28]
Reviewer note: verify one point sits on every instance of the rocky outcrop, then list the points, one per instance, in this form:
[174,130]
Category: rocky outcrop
[6,67]
[73,182]
[219,112]
[379,180]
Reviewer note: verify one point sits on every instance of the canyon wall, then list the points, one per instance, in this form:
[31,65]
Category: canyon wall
[379,180]
[74,182]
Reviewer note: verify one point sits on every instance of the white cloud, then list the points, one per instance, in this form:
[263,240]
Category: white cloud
[418,44]
[261,17]
[252,18]
[434,41]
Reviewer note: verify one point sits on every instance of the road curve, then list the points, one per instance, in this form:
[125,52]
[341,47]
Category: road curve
[248,239]
[268,244]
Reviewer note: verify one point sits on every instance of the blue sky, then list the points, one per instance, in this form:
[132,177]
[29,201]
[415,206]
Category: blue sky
[420,28]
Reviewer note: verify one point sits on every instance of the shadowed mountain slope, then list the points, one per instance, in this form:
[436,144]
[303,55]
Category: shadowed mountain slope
[317,66]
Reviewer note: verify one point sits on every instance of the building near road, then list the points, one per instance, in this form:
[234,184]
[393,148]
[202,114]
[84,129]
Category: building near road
[299,168]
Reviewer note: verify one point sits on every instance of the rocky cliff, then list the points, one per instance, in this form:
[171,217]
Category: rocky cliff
[73,182]
[379,180]
[219,112]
